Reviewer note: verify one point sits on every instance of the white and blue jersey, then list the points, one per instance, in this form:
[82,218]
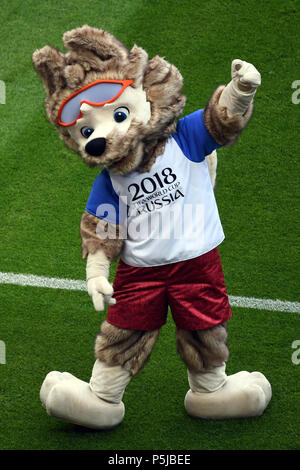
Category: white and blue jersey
[169,213]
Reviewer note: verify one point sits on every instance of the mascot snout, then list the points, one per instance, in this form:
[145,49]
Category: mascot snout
[96,147]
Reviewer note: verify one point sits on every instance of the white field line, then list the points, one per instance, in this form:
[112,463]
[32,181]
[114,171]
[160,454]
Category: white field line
[39,281]
[71,284]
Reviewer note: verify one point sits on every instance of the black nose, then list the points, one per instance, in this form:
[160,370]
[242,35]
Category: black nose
[96,147]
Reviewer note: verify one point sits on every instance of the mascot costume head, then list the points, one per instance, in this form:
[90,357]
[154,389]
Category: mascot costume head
[113,121]
[118,109]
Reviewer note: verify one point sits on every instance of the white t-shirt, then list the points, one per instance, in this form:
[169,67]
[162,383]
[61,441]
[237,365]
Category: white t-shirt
[169,214]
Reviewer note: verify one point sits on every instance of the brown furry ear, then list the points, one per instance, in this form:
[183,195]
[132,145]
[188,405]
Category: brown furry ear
[138,64]
[49,64]
[163,82]
[93,47]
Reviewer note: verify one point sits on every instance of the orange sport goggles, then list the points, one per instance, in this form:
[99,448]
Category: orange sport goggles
[96,93]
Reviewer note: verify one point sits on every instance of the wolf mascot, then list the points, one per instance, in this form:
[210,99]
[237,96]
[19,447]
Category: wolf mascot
[153,205]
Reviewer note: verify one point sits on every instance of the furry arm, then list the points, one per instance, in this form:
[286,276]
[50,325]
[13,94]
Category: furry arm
[101,244]
[230,108]
[97,234]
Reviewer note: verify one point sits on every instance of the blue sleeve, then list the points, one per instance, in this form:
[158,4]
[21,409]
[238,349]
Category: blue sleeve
[193,138]
[103,201]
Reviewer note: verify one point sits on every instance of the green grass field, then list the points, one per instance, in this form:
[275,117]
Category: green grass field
[44,188]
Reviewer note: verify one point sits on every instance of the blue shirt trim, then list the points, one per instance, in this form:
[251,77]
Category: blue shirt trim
[193,138]
[103,201]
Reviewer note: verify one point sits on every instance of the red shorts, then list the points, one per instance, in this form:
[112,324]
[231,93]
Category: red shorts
[194,290]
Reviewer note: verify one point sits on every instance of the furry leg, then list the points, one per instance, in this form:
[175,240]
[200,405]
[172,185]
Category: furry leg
[204,349]
[129,349]
[213,394]
[121,354]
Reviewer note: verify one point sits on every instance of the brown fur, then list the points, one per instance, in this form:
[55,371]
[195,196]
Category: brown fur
[225,130]
[202,350]
[130,349]
[95,54]
[90,227]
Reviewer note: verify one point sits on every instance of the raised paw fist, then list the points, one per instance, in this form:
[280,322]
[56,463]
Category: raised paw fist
[101,292]
[245,75]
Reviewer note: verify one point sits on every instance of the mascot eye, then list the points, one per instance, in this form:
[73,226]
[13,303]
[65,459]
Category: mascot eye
[86,131]
[121,114]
